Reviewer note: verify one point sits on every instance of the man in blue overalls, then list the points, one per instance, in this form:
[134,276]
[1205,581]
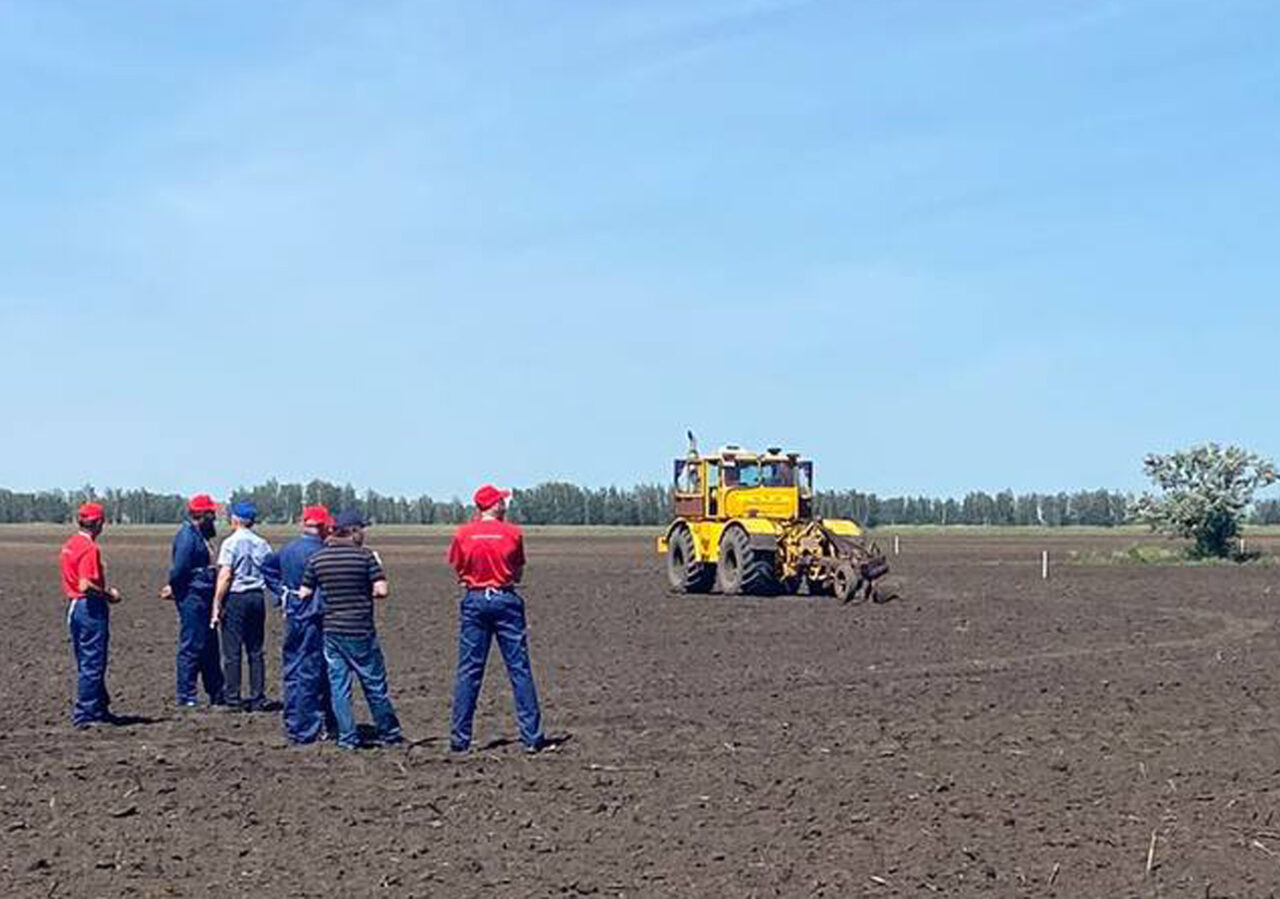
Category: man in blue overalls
[190,586]
[307,712]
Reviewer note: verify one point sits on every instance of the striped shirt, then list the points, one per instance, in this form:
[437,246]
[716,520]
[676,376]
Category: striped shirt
[346,574]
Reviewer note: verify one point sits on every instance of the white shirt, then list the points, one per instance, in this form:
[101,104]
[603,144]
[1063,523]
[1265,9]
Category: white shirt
[244,552]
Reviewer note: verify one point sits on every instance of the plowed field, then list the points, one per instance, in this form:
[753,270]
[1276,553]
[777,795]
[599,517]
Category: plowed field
[1111,732]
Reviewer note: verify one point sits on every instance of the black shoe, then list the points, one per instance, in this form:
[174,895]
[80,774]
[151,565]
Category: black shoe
[547,744]
[232,705]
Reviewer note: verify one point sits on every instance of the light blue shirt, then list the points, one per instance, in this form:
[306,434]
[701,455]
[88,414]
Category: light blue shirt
[244,552]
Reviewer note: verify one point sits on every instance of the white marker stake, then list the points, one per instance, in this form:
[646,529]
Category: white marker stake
[1044,565]
[897,548]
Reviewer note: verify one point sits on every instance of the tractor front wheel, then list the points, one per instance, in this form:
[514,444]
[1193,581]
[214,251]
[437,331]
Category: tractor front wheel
[684,571]
[744,569]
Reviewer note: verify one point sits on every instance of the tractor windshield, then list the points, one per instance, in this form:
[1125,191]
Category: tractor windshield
[744,474]
[777,474]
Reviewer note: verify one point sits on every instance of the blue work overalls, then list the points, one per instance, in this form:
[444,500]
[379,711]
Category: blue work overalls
[307,711]
[192,578]
[89,622]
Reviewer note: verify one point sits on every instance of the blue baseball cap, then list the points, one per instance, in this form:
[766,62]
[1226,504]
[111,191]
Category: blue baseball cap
[245,511]
[350,518]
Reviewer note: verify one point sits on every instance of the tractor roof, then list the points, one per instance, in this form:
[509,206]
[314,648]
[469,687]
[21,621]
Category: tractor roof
[733,453]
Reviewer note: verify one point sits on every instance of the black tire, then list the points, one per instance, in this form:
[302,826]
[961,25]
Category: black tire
[683,570]
[744,569]
[846,584]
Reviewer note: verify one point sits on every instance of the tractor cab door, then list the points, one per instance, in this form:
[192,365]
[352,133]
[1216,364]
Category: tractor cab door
[687,490]
[713,489]
[804,485]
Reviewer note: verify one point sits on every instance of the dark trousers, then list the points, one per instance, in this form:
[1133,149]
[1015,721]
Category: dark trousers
[244,619]
[89,623]
[198,656]
[306,681]
[359,657]
[485,615]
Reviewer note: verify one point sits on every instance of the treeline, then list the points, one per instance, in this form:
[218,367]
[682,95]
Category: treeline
[1266,511]
[136,506]
[569,504]
[1099,508]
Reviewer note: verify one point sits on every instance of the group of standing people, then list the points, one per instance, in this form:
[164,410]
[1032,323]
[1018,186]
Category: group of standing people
[326,583]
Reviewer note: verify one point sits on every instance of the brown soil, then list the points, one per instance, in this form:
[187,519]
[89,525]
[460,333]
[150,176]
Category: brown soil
[989,735]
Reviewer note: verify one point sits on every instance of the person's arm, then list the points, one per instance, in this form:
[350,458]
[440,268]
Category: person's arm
[226,562]
[517,559]
[91,576]
[273,575]
[308,586]
[457,558]
[378,578]
[183,550]
[220,593]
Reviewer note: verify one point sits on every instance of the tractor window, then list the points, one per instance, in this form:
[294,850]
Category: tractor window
[777,474]
[748,475]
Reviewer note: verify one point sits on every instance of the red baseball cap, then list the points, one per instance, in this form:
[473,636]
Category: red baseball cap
[91,512]
[317,514]
[489,496]
[202,502]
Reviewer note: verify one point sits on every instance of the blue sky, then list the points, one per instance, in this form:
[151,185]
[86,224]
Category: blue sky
[414,246]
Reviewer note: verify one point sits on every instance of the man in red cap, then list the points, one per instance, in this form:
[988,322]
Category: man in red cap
[488,555]
[84,582]
[307,713]
[192,577]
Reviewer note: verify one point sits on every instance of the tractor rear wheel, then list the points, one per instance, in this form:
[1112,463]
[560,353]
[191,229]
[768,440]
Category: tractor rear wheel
[744,569]
[684,571]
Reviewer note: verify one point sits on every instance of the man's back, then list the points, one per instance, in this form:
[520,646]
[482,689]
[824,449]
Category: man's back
[291,563]
[487,552]
[345,573]
[244,552]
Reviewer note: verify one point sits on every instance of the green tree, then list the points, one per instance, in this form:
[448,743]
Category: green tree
[1205,491]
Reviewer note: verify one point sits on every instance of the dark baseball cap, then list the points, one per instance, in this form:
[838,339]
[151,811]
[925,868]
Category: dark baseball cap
[350,518]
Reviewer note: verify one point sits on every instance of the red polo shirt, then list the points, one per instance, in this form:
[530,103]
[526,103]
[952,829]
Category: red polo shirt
[487,553]
[81,558]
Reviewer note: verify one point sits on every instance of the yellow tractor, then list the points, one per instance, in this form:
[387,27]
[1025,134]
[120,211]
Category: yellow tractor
[744,524]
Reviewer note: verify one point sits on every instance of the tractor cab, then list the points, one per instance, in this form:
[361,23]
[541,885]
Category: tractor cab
[737,483]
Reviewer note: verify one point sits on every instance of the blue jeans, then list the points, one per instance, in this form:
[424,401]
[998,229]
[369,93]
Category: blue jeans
[361,657]
[306,681]
[89,622]
[198,654]
[486,614]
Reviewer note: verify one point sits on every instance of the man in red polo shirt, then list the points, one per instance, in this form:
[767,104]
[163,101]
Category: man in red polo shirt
[488,555]
[84,582]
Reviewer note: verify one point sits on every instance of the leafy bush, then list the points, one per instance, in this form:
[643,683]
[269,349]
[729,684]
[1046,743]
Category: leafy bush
[1205,493]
